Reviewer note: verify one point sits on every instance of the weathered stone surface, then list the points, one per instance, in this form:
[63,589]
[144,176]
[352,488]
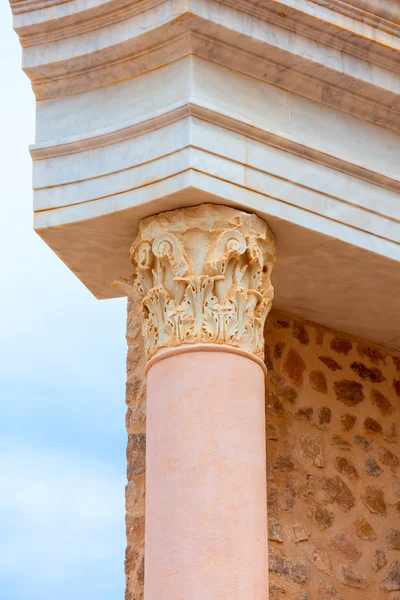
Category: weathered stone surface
[287,393]
[345,467]
[330,363]
[375,355]
[299,533]
[361,441]
[372,426]
[267,359]
[341,345]
[392,436]
[135,417]
[285,463]
[273,405]
[396,387]
[135,497]
[276,591]
[379,560]
[274,531]
[318,558]
[278,350]
[388,459]
[393,539]
[289,496]
[272,500]
[318,382]
[281,323]
[348,421]
[311,447]
[272,432]
[338,492]
[349,392]
[291,570]
[348,576]
[136,454]
[294,366]
[374,374]
[364,530]
[324,417]
[305,413]
[374,500]
[323,517]
[343,544]
[372,467]
[327,591]
[396,362]
[300,333]
[396,485]
[381,403]
[341,443]
[392,581]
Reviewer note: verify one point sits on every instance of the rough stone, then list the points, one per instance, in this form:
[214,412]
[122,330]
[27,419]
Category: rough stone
[294,366]
[393,539]
[348,576]
[396,485]
[276,591]
[272,432]
[343,544]
[281,323]
[299,533]
[136,454]
[318,382]
[278,350]
[388,459]
[343,444]
[323,517]
[374,354]
[272,500]
[348,421]
[345,467]
[291,570]
[287,393]
[372,426]
[285,463]
[338,492]
[379,560]
[311,447]
[372,467]
[361,441]
[274,531]
[374,374]
[289,496]
[392,581]
[330,363]
[396,387]
[374,500]
[305,413]
[267,359]
[349,392]
[341,345]
[273,405]
[364,530]
[300,333]
[318,558]
[324,417]
[392,436]
[381,403]
[396,362]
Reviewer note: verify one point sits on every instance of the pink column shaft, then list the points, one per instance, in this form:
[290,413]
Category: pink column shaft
[206,519]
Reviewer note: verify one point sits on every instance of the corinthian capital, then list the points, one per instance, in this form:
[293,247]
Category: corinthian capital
[202,274]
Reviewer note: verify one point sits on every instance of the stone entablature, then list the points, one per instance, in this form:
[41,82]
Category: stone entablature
[202,274]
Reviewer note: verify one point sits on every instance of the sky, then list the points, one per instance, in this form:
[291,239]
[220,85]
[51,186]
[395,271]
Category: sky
[62,386]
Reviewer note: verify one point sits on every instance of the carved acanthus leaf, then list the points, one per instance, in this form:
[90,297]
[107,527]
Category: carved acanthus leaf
[202,274]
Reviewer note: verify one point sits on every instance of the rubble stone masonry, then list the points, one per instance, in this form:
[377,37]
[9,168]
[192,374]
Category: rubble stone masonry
[333,448]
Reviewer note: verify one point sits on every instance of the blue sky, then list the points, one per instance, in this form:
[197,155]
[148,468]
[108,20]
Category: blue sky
[62,383]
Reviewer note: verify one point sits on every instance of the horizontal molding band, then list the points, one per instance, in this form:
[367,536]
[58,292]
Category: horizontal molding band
[193,108]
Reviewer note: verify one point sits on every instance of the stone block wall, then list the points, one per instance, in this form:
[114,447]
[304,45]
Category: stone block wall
[333,448]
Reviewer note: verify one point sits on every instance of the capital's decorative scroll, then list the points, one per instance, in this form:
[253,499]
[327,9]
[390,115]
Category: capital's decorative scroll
[202,274]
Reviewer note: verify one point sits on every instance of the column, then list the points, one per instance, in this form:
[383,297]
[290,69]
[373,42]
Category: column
[202,281]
